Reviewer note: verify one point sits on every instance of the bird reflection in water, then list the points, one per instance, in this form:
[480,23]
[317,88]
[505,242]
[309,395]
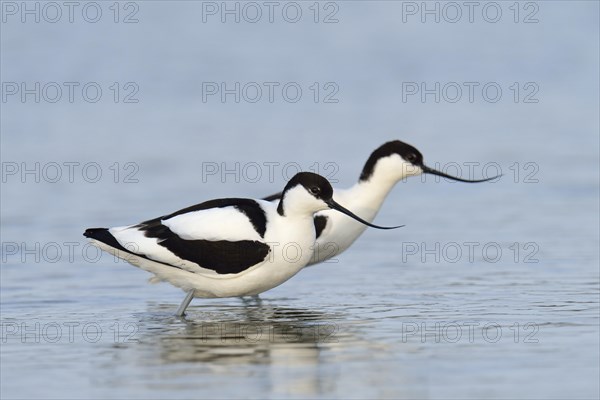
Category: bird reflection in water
[282,345]
[262,333]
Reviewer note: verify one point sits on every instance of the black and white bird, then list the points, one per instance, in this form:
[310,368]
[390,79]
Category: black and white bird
[227,247]
[387,165]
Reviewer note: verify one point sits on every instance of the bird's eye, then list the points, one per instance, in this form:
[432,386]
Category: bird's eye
[411,157]
[315,190]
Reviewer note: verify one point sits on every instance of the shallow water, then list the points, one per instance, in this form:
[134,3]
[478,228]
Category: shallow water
[491,290]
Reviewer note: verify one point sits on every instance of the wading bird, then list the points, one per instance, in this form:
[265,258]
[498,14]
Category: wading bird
[227,247]
[387,165]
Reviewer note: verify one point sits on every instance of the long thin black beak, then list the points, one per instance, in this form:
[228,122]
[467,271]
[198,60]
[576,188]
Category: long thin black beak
[432,171]
[335,206]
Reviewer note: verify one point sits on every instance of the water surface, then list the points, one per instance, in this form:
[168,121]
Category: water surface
[490,291]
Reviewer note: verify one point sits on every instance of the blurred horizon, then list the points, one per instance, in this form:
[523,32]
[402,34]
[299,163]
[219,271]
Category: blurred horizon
[137,109]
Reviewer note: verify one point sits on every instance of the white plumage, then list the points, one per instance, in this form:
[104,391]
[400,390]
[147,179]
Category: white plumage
[386,166]
[227,247]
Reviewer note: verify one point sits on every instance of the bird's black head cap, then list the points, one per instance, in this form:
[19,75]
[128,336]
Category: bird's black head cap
[315,184]
[404,150]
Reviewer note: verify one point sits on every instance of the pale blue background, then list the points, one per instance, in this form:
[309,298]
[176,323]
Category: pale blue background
[370,295]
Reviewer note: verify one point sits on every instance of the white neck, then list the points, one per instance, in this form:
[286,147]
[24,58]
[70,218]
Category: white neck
[366,197]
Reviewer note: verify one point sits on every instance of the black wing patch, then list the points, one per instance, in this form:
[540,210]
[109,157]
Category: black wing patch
[104,236]
[256,215]
[320,224]
[221,256]
[273,197]
[249,207]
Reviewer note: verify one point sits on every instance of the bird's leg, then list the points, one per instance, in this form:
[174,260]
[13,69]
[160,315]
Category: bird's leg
[257,299]
[185,303]
[251,300]
[247,300]
[244,300]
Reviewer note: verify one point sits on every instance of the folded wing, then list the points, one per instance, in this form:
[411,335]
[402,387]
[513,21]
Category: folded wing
[217,237]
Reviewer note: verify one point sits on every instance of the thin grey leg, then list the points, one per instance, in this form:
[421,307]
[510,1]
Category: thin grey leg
[185,303]
[252,299]
[257,299]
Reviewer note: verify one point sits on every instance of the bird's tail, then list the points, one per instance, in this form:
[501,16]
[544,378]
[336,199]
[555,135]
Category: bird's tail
[104,236]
